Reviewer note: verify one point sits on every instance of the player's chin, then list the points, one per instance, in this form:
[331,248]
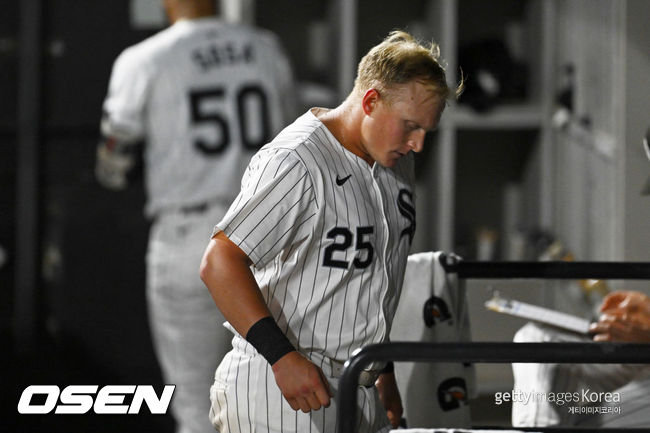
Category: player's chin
[392,158]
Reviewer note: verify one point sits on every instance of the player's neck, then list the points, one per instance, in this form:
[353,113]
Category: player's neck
[344,124]
[190,13]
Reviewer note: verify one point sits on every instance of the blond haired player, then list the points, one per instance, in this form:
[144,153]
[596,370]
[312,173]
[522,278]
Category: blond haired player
[307,265]
[204,95]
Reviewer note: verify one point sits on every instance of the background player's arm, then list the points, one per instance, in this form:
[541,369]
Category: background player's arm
[115,160]
[225,270]
[123,126]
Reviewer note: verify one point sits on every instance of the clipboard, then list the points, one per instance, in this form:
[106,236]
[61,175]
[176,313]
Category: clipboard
[558,319]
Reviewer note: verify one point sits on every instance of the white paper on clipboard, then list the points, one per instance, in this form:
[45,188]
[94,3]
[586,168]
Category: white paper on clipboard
[539,314]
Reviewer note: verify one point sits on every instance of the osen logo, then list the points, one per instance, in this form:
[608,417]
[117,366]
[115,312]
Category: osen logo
[80,399]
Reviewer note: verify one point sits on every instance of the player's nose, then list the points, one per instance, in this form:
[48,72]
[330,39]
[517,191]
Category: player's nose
[416,140]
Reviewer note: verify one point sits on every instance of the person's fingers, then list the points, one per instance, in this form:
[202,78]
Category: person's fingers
[319,389]
[611,329]
[635,298]
[615,311]
[326,383]
[322,395]
[613,300]
[607,317]
[304,404]
[313,401]
[293,402]
[602,330]
[602,337]
[627,300]
[313,394]
[392,417]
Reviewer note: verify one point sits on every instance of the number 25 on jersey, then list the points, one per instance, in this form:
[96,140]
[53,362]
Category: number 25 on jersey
[343,239]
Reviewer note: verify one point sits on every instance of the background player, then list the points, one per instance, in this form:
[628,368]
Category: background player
[625,317]
[308,263]
[204,95]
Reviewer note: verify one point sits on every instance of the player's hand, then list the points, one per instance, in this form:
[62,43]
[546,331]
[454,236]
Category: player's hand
[390,398]
[627,301]
[617,327]
[111,168]
[625,317]
[302,383]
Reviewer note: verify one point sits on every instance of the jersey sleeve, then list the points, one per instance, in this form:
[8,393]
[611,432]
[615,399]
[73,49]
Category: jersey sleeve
[124,106]
[275,209]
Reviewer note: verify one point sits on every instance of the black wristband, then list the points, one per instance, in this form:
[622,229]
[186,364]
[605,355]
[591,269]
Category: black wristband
[390,368]
[267,338]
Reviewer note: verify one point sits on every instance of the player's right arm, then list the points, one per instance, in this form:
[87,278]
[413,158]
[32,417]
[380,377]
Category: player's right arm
[225,270]
[114,161]
[123,122]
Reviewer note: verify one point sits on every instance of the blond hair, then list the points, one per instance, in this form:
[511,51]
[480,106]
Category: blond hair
[400,59]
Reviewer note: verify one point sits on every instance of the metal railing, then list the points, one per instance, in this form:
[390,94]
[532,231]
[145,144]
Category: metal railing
[500,352]
[475,353]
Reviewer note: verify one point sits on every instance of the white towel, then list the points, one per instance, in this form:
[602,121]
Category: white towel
[433,394]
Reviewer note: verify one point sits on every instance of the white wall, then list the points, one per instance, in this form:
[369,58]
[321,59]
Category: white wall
[588,158]
[637,120]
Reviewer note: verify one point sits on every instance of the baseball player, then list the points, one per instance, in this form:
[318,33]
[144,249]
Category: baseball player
[307,264]
[204,95]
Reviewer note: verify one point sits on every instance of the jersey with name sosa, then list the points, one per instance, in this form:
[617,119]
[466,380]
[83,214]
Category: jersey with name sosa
[205,95]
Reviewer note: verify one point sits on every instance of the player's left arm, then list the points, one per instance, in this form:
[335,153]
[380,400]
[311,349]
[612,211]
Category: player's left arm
[390,397]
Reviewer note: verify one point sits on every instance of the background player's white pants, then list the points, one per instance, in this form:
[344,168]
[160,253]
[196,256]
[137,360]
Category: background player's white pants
[186,325]
[246,399]
[544,379]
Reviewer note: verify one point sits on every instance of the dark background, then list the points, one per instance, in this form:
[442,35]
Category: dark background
[90,321]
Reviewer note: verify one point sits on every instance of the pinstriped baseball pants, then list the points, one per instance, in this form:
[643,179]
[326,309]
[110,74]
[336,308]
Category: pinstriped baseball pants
[186,325]
[246,399]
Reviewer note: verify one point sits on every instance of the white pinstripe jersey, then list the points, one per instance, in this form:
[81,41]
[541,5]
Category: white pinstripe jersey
[205,95]
[328,235]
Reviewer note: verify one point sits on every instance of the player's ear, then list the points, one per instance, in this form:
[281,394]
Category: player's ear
[369,101]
